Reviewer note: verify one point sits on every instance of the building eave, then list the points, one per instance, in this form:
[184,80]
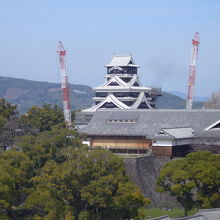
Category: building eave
[116,88]
[131,65]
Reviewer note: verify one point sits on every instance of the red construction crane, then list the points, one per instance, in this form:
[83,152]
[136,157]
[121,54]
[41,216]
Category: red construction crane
[192,71]
[64,84]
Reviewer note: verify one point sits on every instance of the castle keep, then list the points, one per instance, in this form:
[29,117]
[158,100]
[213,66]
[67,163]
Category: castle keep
[122,88]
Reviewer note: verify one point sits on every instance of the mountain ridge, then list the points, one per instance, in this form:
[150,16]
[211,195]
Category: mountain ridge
[26,93]
[184,95]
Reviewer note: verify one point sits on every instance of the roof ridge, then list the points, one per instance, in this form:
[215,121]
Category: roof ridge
[205,210]
[176,127]
[166,110]
[188,217]
[122,56]
[160,218]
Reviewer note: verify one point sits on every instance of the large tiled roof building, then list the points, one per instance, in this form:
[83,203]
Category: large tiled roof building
[161,132]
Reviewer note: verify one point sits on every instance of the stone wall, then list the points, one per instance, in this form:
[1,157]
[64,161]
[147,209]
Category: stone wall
[215,149]
[144,172]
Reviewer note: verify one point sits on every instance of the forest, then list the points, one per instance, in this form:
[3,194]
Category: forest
[46,173]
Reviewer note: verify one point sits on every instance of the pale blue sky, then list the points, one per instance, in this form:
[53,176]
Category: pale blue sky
[158,33]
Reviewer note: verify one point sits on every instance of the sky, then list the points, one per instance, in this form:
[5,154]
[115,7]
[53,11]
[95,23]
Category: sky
[157,33]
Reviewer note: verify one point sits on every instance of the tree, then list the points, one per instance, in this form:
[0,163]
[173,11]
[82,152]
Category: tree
[47,145]
[213,102]
[43,118]
[7,109]
[51,175]
[194,180]
[90,183]
[25,161]
[2,122]
[14,178]
[9,123]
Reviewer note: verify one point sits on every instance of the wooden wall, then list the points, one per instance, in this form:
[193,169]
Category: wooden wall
[126,142]
[165,151]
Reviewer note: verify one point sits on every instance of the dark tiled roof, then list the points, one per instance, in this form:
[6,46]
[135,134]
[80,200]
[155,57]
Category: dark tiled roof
[203,214]
[177,133]
[130,115]
[210,214]
[194,217]
[161,218]
[211,134]
[150,122]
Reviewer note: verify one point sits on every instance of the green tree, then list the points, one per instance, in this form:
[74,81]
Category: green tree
[14,179]
[2,122]
[47,145]
[8,123]
[25,161]
[51,175]
[69,216]
[194,180]
[84,215]
[43,118]
[90,183]
[7,109]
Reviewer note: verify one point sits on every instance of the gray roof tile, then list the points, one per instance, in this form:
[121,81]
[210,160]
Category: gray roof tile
[210,214]
[194,217]
[180,133]
[150,122]
[203,214]
[161,218]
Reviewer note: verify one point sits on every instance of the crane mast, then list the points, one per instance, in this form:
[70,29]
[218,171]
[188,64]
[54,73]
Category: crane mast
[64,84]
[192,71]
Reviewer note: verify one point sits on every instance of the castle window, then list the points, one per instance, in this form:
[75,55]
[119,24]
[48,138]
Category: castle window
[136,84]
[134,94]
[119,94]
[113,84]
[143,105]
[128,103]
[126,79]
[120,121]
[101,94]
[161,132]
[108,105]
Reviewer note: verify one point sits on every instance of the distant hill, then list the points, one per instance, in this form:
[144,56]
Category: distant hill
[26,93]
[170,101]
[183,95]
